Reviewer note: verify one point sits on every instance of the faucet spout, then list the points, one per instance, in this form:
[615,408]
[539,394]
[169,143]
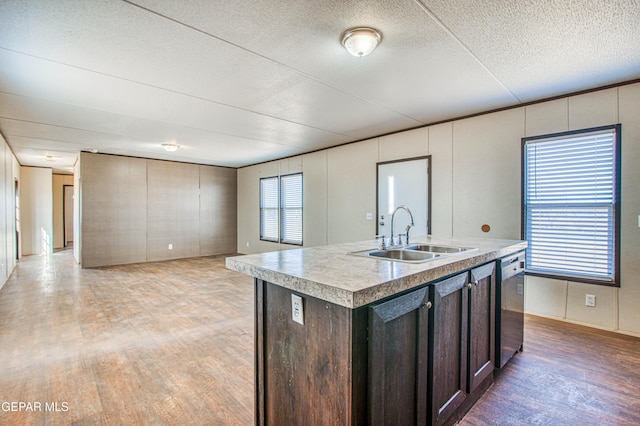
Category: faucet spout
[393,216]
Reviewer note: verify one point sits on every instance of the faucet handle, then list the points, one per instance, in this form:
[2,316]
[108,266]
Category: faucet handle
[383,245]
[400,238]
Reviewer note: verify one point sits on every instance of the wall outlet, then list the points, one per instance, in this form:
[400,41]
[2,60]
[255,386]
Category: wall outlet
[590,300]
[170,246]
[369,216]
[297,309]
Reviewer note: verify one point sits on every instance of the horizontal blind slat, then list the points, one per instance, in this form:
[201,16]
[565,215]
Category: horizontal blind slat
[569,203]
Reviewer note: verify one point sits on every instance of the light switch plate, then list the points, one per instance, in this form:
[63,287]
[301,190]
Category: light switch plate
[590,300]
[297,309]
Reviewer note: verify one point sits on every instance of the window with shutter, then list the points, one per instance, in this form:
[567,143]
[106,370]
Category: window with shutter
[571,205]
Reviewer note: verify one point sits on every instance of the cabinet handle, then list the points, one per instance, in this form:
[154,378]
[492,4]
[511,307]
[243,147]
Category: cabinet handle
[427,305]
[469,285]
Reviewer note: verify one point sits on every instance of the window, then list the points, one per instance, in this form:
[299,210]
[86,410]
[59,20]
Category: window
[281,209]
[571,205]
[269,209]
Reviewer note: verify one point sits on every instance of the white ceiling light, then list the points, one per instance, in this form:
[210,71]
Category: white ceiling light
[50,158]
[361,41]
[170,147]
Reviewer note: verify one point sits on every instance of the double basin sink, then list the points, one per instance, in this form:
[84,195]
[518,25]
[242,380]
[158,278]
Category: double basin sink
[413,253]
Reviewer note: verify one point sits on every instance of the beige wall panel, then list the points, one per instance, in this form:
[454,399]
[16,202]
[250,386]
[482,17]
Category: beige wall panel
[352,192]
[10,167]
[291,165]
[441,151]
[218,208]
[114,210]
[77,215]
[58,218]
[248,210]
[5,199]
[545,297]
[59,181]
[548,117]
[36,205]
[486,174]
[629,293]
[409,144]
[603,315]
[314,219]
[593,109]
[173,210]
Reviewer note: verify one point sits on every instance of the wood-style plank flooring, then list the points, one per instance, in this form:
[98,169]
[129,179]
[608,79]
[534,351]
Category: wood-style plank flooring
[155,343]
[172,343]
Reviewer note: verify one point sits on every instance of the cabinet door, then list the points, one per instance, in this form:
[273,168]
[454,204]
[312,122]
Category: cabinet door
[398,358]
[481,324]
[450,322]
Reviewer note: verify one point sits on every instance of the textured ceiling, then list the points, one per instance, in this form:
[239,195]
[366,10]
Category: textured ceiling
[237,83]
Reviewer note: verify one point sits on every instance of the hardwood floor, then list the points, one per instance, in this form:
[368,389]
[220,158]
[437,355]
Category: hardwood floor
[172,343]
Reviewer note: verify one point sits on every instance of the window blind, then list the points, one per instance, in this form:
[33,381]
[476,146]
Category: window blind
[269,209]
[569,205]
[291,208]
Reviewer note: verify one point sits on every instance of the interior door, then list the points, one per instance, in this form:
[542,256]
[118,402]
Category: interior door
[404,182]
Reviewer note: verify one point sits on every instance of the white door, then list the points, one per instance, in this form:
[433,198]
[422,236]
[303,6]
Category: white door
[403,183]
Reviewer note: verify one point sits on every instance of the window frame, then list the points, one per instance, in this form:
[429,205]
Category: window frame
[281,225]
[277,209]
[616,205]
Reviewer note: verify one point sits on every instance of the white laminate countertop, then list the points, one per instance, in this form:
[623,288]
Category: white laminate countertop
[330,273]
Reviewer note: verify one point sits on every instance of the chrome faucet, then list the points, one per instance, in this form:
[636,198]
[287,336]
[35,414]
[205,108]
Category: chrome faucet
[393,216]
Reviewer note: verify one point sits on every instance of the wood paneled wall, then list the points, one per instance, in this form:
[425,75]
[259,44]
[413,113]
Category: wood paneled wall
[133,209]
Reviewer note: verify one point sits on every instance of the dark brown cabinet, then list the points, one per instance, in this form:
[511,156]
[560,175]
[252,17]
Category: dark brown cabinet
[449,372]
[482,306]
[463,341]
[423,357]
[398,355]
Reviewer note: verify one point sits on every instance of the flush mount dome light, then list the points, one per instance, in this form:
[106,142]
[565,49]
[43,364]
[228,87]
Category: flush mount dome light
[361,41]
[170,147]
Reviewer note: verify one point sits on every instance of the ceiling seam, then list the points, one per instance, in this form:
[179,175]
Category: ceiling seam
[118,134]
[169,91]
[297,71]
[441,24]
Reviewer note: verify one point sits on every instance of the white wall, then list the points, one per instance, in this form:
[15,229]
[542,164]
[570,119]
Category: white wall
[9,172]
[36,207]
[476,180]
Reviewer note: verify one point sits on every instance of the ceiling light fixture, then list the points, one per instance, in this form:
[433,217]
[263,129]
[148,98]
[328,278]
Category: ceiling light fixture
[361,41]
[50,158]
[170,147]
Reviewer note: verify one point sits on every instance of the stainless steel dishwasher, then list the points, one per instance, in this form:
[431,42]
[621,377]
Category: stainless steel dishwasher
[510,310]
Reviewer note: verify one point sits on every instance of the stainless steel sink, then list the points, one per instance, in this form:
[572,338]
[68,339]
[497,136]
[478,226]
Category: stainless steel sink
[414,253]
[436,249]
[406,255]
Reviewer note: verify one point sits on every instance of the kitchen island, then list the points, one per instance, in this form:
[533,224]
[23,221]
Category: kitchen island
[346,338]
